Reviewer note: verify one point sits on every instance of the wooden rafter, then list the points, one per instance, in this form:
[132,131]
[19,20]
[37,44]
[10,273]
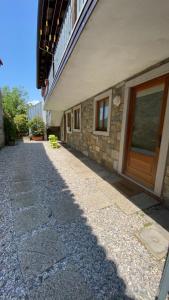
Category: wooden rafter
[48,29]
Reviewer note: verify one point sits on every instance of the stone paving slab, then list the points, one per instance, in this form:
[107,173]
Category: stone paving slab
[107,189]
[144,201]
[104,174]
[29,219]
[159,215]
[21,187]
[112,179]
[154,240]
[39,253]
[65,210]
[24,200]
[84,172]
[94,201]
[134,204]
[126,205]
[3,187]
[21,176]
[64,285]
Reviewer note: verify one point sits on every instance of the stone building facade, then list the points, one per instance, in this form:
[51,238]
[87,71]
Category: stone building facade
[90,60]
[104,149]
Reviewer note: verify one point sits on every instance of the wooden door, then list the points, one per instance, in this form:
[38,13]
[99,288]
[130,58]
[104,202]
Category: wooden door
[145,125]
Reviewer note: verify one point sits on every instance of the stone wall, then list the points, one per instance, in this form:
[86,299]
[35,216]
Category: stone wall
[1,124]
[103,149]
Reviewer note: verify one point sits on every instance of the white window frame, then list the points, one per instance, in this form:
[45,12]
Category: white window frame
[160,173]
[75,108]
[68,112]
[107,94]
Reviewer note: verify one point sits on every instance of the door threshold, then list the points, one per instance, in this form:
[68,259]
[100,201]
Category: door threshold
[151,192]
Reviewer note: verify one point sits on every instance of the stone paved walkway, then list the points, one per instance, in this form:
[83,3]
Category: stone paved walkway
[71,230]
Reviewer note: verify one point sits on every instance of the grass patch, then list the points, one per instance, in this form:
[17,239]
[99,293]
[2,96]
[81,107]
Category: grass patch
[148,224]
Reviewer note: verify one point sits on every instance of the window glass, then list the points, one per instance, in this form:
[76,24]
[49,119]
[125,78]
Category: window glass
[77,118]
[146,120]
[69,121]
[102,114]
[106,111]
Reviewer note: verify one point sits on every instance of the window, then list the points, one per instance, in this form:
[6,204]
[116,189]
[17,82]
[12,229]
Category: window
[102,114]
[77,118]
[102,111]
[69,122]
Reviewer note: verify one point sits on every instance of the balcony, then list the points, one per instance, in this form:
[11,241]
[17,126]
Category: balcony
[65,36]
[108,43]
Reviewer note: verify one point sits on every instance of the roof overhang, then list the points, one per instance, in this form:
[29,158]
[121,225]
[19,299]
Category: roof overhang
[120,39]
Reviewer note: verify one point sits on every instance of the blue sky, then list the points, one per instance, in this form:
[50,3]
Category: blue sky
[18,25]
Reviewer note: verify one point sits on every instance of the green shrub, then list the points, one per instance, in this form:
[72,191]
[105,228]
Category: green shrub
[52,137]
[10,129]
[53,141]
[55,145]
[37,126]
[21,122]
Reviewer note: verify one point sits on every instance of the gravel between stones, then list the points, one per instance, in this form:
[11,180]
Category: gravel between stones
[51,237]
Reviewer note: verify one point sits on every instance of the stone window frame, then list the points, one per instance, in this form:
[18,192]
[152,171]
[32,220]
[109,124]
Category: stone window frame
[68,112]
[107,94]
[75,108]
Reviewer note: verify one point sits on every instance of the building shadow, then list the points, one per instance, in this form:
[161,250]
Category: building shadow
[99,273]
[157,210]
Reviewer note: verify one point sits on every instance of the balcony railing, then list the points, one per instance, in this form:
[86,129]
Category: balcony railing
[65,34]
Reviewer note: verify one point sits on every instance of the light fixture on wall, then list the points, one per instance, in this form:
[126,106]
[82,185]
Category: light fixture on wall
[117,101]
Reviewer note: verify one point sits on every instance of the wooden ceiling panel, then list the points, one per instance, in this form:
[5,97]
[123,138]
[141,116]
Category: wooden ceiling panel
[49,11]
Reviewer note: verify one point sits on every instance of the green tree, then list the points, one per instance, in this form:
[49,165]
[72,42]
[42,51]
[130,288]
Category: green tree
[15,112]
[21,123]
[10,129]
[14,101]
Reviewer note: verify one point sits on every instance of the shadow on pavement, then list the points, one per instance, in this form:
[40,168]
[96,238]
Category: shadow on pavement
[144,200]
[64,257]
